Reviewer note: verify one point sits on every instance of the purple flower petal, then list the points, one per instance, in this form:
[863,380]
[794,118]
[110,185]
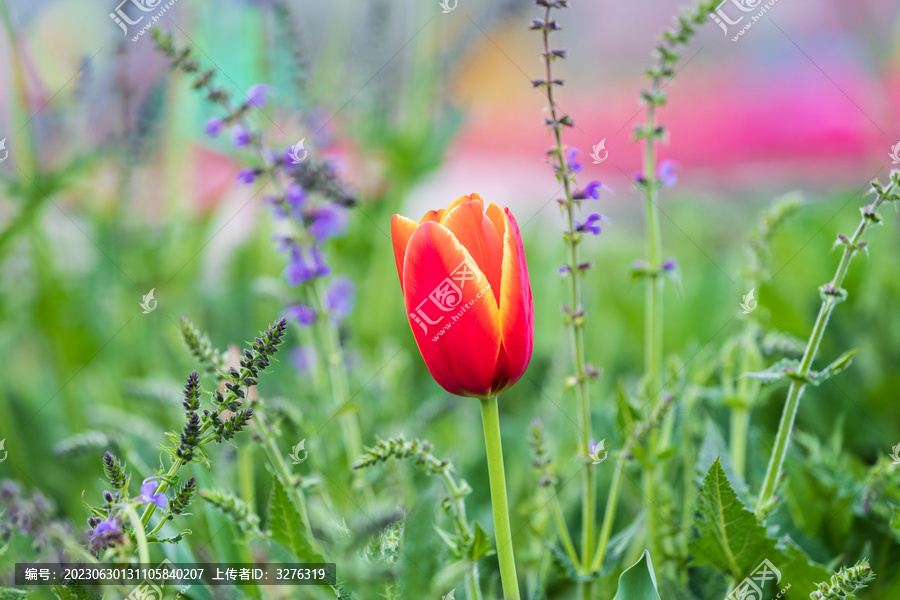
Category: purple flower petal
[339,297]
[240,137]
[297,271]
[107,526]
[247,175]
[304,315]
[670,265]
[574,165]
[320,267]
[257,94]
[296,198]
[214,126]
[593,189]
[303,358]
[666,172]
[592,224]
[328,222]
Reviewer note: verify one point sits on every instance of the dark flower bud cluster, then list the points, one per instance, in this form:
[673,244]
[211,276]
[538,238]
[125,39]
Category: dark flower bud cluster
[182,497]
[114,472]
[200,347]
[190,437]
[31,515]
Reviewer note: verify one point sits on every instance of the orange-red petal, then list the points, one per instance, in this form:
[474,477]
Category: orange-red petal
[401,230]
[516,307]
[472,228]
[451,312]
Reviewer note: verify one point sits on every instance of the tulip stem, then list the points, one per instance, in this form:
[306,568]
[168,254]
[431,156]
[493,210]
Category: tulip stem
[491,420]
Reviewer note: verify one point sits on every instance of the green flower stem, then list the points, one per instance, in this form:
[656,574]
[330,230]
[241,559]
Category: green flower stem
[747,393]
[340,387]
[609,514]
[653,310]
[582,393]
[138,526]
[282,470]
[789,415]
[473,582]
[562,530]
[502,533]
[740,425]
[473,589]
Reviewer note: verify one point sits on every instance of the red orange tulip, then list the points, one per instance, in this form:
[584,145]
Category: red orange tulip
[468,298]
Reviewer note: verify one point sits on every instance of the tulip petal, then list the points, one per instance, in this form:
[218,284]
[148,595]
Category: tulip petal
[432,215]
[516,308]
[401,230]
[452,315]
[472,228]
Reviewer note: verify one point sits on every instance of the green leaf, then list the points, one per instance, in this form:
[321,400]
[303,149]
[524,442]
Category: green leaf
[481,545]
[617,546]
[420,550]
[638,582]
[842,362]
[780,370]
[730,539]
[627,415]
[287,527]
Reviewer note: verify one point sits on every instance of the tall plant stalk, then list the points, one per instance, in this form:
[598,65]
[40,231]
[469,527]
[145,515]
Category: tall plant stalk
[655,269]
[575,318]
[832,294]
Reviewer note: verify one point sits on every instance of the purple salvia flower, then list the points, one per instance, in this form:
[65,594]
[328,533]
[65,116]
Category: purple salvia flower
[575,166]
[304,315]
[106,527]
[303,358]
[592,224]
[670,265]
[339,297]
[328,222]
[147,495]
[564,269]
[320,267]
[295,195]
[666,172]
[247,175]
[257,94]
[297,271]
[593,189]
[240,137]
[214,126]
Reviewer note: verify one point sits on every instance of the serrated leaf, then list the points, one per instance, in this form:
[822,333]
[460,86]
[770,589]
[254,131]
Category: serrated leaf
[567,570]
[730,537]
[779,370]
[481,544]
[287,527]
[638,582]
[420,549]
[842,362]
